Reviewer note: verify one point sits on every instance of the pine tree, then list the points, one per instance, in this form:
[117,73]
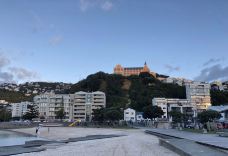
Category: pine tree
[31,113]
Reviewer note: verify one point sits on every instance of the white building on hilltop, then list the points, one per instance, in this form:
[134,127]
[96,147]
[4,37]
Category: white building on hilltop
[19,109]
[129,115]
[85,103]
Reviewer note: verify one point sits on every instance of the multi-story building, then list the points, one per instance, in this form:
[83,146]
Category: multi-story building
[128,71]
[85,103]
[178,81]
[19,109]
[198,99]
[182,105]
[129,115]
[225,86]
[199,95]
[49,103]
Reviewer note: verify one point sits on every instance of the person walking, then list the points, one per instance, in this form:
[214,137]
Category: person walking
[37,129]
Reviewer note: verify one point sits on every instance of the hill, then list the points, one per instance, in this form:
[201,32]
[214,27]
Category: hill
[13,96]
[121,92]
[134,91]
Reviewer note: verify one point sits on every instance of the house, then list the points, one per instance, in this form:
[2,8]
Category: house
[129,115]
[139,116]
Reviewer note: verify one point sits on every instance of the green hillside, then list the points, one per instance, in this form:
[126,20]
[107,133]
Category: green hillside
[121,92]
[13,97]
[134,91]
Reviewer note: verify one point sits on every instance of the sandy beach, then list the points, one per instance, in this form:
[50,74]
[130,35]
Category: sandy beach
[135,143]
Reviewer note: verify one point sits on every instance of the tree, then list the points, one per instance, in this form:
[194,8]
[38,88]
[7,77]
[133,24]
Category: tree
[208,116]
[112,115]
[5,115]
[31,113]
[98,115]
[177,117]
[60,114]
[152,112]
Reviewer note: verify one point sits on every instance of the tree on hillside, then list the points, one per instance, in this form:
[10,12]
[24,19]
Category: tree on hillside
[138,94]
[5,115]
[208,116]
[152,112]
[31,113]
[60,114]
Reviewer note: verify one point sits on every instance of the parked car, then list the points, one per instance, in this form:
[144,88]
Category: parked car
[219,126]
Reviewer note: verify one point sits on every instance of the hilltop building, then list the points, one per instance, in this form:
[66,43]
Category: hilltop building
[128,71]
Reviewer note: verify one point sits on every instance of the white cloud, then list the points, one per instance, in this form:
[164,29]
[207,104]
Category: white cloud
[56,40]
[38,24]
[13,74]
[216,72]
[105,5]
[6,77]
[213,61]
[86,4]
[3,60]
[171,68]
[22,73]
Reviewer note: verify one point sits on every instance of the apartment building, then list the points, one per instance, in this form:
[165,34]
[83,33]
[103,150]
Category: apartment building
[19,109]
[199,95]
[182,105]
[84,103]
[49,103]
[130,115]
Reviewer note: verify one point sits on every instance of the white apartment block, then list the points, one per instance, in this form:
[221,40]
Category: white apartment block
[182,105]
[129,115]
[199,95]
[85,103]
[49,103]
[19,109]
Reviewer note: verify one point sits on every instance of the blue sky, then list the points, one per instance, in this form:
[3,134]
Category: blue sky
[66,40]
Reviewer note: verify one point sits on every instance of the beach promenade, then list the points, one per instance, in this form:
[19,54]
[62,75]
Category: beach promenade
[134,143]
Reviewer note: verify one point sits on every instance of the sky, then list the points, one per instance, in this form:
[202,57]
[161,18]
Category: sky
[66,40]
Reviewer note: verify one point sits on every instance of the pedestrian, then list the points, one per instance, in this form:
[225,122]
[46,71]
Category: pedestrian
[37,128]
[48,129]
